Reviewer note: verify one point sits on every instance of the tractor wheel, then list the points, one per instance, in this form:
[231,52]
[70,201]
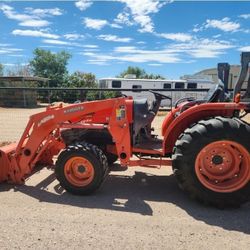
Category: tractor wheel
[211,161]
[111,158]
[81,168]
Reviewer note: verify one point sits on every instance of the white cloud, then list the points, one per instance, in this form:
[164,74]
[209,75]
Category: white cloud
[247,31]
[34,23]
[141,42]
[96,62]
[245,16]
[202,48]
[73,36]
[145,22]
[44,12]
[34,33]
[9,64]
[144,7]
[196,29]
[132,54]
[217,36]
[90,46]
[57,42]
[32,18]
[182,37]
[69,43]
[124,18]
[5,44]
[16,55]
[182,52]
[245,48]
[224,24]
[155,64]
[96,24]
[7,50]
[143,58]
[140,13]
[15,64]
[114,38]
[10,13]
[83,4]
[125,49]
[115,25]
[89,50]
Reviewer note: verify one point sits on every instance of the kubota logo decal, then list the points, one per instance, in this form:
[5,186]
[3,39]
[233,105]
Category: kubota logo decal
[75,109]
[45,119]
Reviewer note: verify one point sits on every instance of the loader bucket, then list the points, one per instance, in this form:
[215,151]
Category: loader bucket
[5,164]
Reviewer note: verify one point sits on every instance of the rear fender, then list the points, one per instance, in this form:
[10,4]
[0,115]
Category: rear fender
[175,124]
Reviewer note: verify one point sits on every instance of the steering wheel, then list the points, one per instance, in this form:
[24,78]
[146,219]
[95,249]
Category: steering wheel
[120,94]
[161,96]
[189,99]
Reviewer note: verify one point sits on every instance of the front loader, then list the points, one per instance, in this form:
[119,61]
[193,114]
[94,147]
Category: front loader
[206,141]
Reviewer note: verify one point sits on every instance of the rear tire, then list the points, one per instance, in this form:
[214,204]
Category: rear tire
[206,162]
[81,168]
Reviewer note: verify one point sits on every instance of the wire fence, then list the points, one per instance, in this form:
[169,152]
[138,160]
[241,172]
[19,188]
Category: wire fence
[17,104]
[30,97]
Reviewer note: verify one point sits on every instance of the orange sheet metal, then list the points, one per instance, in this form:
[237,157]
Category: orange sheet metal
[5,154]
[153,163]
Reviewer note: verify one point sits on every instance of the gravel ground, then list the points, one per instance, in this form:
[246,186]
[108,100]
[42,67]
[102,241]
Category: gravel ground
[135,209]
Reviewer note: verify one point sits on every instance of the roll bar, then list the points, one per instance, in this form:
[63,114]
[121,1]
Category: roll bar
[245,60]
[223,74]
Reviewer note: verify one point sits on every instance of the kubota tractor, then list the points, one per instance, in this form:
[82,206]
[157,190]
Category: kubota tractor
[206,142]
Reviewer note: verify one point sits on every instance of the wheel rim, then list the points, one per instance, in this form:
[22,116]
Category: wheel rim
[79,171]
[223,166]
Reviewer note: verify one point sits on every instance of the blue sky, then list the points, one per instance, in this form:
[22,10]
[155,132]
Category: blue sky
[171,38]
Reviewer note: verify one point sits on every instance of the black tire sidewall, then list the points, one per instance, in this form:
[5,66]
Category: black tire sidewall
[98,172]
[191,183]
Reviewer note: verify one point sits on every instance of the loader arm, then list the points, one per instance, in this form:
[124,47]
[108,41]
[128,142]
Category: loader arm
[41,139]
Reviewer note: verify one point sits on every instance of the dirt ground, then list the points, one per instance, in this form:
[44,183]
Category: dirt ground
[135,209]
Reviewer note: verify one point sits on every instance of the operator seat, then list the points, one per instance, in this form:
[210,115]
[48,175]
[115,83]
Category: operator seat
[216,93]
[143,115]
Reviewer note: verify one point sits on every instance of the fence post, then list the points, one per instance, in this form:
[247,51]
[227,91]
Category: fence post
[24,99]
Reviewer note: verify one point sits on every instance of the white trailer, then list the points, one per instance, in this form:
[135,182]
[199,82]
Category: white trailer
[124,83]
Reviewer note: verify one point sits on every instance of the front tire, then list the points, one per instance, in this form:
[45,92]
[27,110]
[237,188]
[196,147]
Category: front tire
[81,168]
[211,162]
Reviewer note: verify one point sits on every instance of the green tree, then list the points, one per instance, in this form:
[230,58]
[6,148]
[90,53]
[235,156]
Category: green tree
[139,72]
[84,80]
[80,80]
[50,65]
[1,69]
[153,76]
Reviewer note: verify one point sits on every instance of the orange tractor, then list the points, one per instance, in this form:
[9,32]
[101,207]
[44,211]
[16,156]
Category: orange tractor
[206,141]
